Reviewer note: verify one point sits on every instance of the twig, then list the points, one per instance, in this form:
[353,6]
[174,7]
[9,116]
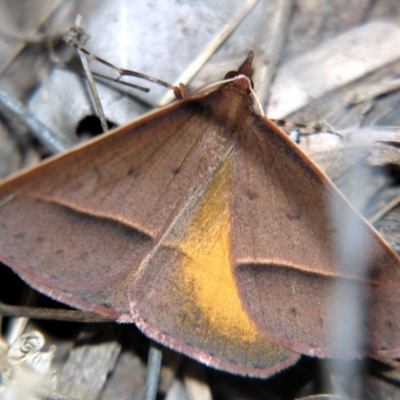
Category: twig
[384,210]
[52,313]
[81,36]
[153,372]
[75,33]
[49,139]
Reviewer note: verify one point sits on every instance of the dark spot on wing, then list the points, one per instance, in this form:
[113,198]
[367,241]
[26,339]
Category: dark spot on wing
[251,195]
[376,273]
[293,311]
[96,170]
[294,215]
[40,239]
[85,256]
[60,252]
[175,171]
[388,324]
[107,305]
[20,235]
[132,172]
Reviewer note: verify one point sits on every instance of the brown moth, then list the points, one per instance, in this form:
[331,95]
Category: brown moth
[206,226]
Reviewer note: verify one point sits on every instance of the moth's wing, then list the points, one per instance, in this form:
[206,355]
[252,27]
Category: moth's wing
[186,297]
[76,227]
[287,244]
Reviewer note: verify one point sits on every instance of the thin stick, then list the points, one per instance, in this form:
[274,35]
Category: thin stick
[128,72]
[69,37]
[387,361]
[385,210]
[49,139]
[52,313]
[49,395]
[319,127]
[131,85]
[89,76]
[153,372]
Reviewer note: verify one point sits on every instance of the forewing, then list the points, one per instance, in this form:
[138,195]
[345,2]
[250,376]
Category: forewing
[78,226]
[287,249]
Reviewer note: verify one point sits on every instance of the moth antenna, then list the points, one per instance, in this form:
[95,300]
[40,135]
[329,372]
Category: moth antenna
[77,38]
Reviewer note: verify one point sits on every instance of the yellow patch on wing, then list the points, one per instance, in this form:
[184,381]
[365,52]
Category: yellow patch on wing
[207,268]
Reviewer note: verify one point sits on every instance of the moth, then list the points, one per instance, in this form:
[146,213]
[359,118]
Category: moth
[207,227]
